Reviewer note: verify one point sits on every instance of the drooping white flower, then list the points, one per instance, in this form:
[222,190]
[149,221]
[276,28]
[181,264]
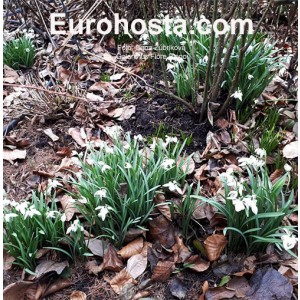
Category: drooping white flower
[250,77]
[238,95]
[7,217]
[27,50]
[175,58]
[170,67]
[113,131]
[173,187]
[289,241]
[229,177]
[261,152]
[74,227]
[83,200]
[105,168]
[51,214]
[103,211]
[31,211]
[52,184]
[167,163]
[153,145]
[251,202]
[63,217]
[287,168]
[251,161]
[22,206]
[238,205]
[169,140]
[101,193]
[139,138]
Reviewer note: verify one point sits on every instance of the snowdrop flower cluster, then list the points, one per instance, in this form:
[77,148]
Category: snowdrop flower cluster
[173,187]
[113,131]
[174,61]
[243,203]
[204,60]
[103,211]
[167,163]
[31,211]
[75,227]
[253,161]
[238,95]
[289,240]
[169,140]
[138,138]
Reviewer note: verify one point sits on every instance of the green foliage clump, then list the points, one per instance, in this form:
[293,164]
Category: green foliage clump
[19,53]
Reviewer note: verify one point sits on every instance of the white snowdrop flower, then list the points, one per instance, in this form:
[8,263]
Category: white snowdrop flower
[175,58]
[251,161]
[173,187]
[240,187]
[52,184]
[21,207]
[83,200]
[261,152]
[7,217]
[251,202]
[167,163]
[289,241]
[144,36]
[90,161]
[30,254]
[139,138]
[238,205]
[250,77]
[128,165]
[31,211]
[76,161]
[229,177]
[74,227]
[238,95]
[153,145]
[100,193]
[78,175]
[63,217]
[113,131]
[109,150]
[224,50]
[6,202]
[42,232]
[233,195]
[103,211]
[51,214]
[126,146]
[75,153]
[105,168]
[16,48]
[287,168]
[27,50]
[250,48]
[256,101]
[182,43]
[13,203]
[170,139]
[170,67]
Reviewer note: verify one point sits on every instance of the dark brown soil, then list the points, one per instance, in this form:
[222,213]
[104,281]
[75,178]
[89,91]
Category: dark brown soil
[165,115]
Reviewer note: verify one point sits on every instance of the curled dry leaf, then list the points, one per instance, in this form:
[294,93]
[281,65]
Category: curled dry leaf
[275,175]
[187,164]
[132,248]
[78,295]
[163,208]
[198,263]
[133,233]
[163,270]
[120,280]
[205,287]
[181,252]
[76,135]
[50,266]
[67,203]
[162,230]
[92,267]
[140,295]
[214,245]
[111,261]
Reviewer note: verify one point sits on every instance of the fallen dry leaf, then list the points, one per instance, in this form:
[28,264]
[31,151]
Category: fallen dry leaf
[111,261]
[291,150]
[205,287]
[136,265]
[92,267]
[67,203]
[50,266]
[12,155]
[163,270]
[120,280]
[76,135]
[163,207]
[96,246]
[132,248]
[178,289]
[214,245]
[187,164]
[198,264]
[219,293]
[240,285]
[51,135]
[161,230]
[78,295]
[181,252]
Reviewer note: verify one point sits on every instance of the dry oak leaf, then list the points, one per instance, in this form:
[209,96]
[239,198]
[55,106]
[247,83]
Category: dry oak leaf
[214,245]
[120,280]
[78,295]
[111,260]
[163,270]
[133,248]
[198,263]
